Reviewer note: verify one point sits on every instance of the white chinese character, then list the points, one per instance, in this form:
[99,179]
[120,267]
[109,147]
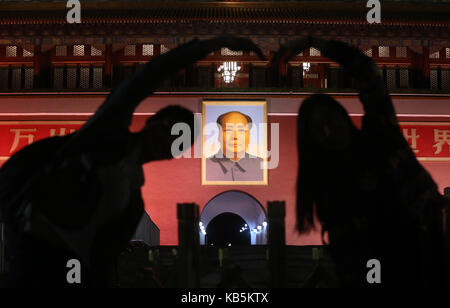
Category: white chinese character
[413,137]
[441,137]
[18,136]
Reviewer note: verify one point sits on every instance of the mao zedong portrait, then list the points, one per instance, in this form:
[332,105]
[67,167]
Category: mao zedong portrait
[232,162]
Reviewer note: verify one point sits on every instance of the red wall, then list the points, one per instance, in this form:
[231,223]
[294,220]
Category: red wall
[179,180]
[175,181]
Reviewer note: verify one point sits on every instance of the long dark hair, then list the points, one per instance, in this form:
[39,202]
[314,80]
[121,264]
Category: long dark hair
[319,153]
[305,191]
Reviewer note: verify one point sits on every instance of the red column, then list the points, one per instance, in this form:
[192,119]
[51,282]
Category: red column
[108,65]
[421,69]
[42,68]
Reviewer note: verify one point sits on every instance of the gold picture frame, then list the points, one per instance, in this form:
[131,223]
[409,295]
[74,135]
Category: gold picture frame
[257,111]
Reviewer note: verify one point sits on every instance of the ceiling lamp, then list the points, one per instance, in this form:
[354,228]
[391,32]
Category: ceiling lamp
[228,71]
[306,68]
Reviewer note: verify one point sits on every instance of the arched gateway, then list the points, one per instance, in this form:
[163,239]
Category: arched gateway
[241,204]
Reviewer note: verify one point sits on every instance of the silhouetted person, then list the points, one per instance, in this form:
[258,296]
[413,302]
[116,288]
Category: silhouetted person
[78,196]
[366,186]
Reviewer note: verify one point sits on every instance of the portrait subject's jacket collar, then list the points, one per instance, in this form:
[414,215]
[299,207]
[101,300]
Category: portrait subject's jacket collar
[222,161]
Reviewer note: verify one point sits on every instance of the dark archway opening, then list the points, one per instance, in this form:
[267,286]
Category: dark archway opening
[227,229]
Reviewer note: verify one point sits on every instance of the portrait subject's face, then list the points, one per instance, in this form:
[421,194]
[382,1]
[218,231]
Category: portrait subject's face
[235,135]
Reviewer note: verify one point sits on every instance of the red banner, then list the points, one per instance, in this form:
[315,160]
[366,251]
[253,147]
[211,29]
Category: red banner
[429,140]
[15,135]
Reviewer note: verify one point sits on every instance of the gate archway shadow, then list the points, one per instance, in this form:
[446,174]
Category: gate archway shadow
[226,229]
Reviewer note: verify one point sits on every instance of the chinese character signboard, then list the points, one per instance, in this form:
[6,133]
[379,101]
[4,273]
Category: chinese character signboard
[15,135]
[429,140]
